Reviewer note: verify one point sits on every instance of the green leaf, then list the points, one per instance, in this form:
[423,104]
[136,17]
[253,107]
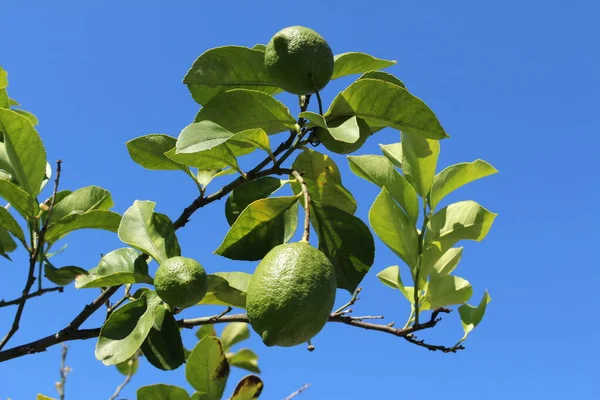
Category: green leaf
[200,137]
[129,366]
[64,275]
[95,219]
[383,76]
[391,277]
[205,176]
[456,176]
[249,388]
[162,392]
[385,104]
[229,67]
[82,200]
[163,347]
[149,232]
[25,150]
[436,263]
[227,289]
[207,368]
[233,333]
[242,196]
[3,78]
[245,359]
[419,160]
[260,47]
[8,221]
[42,397]
[4,99]
[393,152]
[471,316]
[149,152]
[259,228]
[446,290]
[206,330]
[380,171]
[394,228]
[7,243]
[240,109]
[18,198]
[124,331]
[465,220]
[346,241]
[357,63]
[324,181]
[348,131]
[215,158]
[118,267]
[31,117]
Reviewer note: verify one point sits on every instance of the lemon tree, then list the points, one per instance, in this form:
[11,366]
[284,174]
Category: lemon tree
[292,218]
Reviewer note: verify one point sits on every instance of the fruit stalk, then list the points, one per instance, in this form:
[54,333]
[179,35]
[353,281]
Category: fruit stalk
[301,181]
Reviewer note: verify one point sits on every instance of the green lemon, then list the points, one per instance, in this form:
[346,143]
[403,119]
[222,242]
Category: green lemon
[291,294]
[180,282]
[299,60]
[343,147]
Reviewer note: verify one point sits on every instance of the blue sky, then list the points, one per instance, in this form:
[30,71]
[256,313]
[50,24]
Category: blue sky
[513,82]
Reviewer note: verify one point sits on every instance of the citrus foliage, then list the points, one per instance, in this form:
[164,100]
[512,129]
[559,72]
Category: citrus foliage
[235,86]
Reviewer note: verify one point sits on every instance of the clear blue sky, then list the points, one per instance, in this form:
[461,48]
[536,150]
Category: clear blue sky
[514,82]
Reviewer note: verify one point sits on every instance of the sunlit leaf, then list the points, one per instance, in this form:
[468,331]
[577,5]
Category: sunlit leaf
[382,76]
[149,152]
[118,267]
[471,316]
[233,333]
[357,63]
[228,67]
[419,160]
[240,109]
[25,150]
[64,275]
[162,392]
[380,171]
[391,277]
[82,200]
[385,104]
[227,289]
[394,228]
[8,222]
[447,290]
[150,232]
[456,176]
[242,196]
[95,219]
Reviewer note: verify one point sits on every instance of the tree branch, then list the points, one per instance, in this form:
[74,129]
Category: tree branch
[297,392]
[33,258]
[37,293]
[82,334]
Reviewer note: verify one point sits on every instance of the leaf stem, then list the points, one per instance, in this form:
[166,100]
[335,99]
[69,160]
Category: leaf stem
[421,245]
[298,176]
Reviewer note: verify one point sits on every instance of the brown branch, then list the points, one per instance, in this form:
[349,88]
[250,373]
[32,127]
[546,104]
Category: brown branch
[81,334]
[433,347]
[33,258]
[298,176]
[353,299]
[4,303]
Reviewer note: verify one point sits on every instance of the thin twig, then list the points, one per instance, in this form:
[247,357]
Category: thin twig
[320,103]
[227,311]
[64,371]
[298,176]
[353,300]
[33,258]
[126,296]
[433,347]
[130,371]
[297,392]
[4,303]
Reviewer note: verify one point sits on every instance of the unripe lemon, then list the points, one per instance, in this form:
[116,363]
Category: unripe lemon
[291,294]
[180,282]
[299,60]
